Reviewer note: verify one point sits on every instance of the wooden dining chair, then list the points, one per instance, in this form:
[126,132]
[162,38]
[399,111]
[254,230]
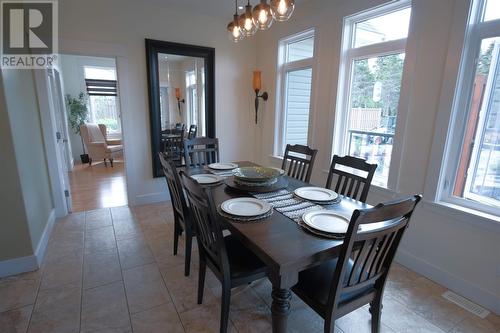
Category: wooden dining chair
[201,151]
[298,161]
[174,146]
[357,277]
[192,132]
[354,183]
[230,261]
[182,217]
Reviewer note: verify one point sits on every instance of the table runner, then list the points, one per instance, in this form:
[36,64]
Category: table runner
[288,204]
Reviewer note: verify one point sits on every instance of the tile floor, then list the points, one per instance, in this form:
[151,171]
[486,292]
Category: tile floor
[112,270]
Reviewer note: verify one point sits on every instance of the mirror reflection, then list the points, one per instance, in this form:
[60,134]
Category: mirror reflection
[182,93]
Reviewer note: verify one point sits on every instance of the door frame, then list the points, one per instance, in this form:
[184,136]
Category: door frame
[93,49]
[54,158]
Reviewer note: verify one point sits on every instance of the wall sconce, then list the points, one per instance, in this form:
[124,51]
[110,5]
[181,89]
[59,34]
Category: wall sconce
[179,100]
[257,85]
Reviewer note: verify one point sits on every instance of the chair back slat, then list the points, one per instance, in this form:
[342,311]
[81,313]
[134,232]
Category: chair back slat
[201,151]
[296,166]
[208,228]
[371,242]
[350,184]
[175,188]
[192,132]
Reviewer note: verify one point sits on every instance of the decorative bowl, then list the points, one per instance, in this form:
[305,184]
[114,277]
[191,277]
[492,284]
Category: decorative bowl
[256,174]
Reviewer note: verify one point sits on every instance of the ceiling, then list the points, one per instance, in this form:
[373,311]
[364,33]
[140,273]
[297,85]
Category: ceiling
[215,8]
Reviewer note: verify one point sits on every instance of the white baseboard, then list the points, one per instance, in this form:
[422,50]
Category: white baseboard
[144,199]
[44,240]
[18,265]
[460,286]
[32,262]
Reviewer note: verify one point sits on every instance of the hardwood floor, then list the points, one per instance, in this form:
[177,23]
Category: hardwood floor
[97,186]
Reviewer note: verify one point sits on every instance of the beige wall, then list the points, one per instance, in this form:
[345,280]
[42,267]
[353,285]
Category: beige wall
[14,233]
[124,25]
[456,249]
[24,118]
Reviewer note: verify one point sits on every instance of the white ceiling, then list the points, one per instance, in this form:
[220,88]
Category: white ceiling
[215,8]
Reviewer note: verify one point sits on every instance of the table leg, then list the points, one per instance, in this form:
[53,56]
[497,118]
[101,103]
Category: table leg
[280,309]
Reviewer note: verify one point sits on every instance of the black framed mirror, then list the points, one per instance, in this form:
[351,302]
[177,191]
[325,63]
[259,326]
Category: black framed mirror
[181,87]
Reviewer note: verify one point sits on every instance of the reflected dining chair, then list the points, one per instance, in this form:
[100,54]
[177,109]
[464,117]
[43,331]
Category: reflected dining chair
[201,151]
[298,161]
[192,132]
[182,217]
[230,261]
[354,177]
[357,277]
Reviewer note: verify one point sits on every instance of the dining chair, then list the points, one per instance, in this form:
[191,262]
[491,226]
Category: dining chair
[182,217]
[354,177]
[357,277]
[201,151]
[230,261]
[174,146]
[298,161]
[192,132]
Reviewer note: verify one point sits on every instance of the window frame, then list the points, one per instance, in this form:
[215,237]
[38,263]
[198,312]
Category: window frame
[348,55]
[91,115]
[475,32]
[283,68]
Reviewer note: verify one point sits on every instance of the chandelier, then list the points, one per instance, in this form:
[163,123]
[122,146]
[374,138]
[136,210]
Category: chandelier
[261,17]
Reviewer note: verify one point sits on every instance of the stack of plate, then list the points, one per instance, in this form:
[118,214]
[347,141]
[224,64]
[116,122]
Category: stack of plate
[319,195]
[326,223]
[223,166]
[207,179]
[245,209]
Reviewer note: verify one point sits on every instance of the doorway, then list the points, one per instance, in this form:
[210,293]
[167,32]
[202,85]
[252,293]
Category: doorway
[95,172]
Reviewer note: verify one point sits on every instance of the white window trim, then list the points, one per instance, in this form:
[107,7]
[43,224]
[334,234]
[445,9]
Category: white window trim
[347,56]
[457,90]
[283,68]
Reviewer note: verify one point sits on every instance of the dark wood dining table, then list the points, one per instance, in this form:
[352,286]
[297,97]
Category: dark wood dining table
[284,246]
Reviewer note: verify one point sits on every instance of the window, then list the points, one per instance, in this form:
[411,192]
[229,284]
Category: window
[472,176]
[370,82]
[295,72]
[103,104]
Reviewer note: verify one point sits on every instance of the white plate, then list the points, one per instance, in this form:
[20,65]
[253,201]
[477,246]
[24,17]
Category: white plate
[316,194]
[223,166]
[245,207]
[207,178]
[326,221]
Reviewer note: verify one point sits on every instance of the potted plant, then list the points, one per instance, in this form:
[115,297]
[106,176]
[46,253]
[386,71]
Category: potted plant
[77,115]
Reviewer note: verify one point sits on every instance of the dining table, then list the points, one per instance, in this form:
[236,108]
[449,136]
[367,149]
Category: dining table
[283,245]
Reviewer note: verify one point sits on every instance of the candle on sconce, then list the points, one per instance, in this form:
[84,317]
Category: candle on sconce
[257,80]
[178,93]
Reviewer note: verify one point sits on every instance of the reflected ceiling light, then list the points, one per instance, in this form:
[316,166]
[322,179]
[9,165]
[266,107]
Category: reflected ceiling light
[282,9]
[233,28]
[246,22]
[262,15]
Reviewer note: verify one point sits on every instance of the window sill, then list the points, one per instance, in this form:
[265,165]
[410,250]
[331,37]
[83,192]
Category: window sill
[465,215]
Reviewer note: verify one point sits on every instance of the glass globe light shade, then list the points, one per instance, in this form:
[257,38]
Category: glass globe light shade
[246,22]
[282,9]
[234,31]
[262,15]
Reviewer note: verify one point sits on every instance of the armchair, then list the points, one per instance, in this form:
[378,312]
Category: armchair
[98,147]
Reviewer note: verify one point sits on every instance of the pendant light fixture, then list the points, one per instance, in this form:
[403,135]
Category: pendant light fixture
[233,28]
[246,22]
[262,15]
[260,18]
[282,9]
